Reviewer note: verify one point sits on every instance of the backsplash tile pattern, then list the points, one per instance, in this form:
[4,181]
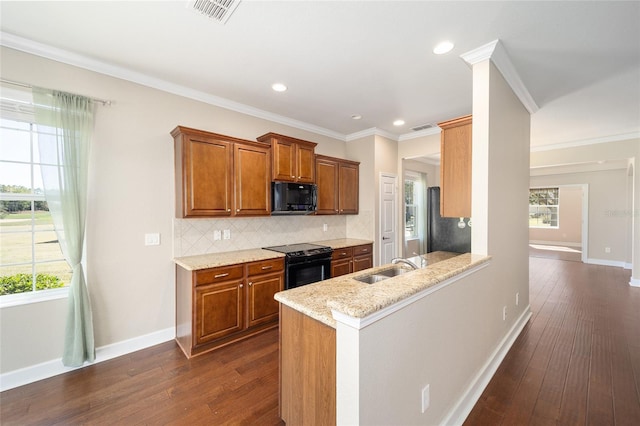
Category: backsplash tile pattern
[361,225]
[196,236]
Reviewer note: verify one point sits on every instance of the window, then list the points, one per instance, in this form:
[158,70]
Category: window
[543,207]
[30,256]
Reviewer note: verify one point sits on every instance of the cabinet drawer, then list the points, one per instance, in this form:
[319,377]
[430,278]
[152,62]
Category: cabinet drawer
[215,275]
[266,266]
[342,253]
[363,249]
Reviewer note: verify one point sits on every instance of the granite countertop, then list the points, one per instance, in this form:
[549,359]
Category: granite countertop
[342,243]
[358,300]
[212,260]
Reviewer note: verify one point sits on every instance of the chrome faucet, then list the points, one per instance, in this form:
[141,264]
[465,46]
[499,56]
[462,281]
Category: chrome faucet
[401,260]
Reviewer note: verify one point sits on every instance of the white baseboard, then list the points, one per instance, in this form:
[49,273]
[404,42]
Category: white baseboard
[465,404]
[628,265]
[23,376]
[634,282]
[603,262]
[556,243]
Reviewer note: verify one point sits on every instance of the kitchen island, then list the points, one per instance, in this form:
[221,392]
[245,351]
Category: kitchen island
[310,317]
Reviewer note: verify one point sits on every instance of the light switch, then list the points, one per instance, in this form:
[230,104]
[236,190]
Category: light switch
[152,239]
[217,235]
[226,234]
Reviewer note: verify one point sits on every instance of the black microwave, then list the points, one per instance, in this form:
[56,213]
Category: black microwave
[293,198]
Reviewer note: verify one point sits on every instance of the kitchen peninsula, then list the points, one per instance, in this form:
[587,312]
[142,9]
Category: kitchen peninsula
[314,376]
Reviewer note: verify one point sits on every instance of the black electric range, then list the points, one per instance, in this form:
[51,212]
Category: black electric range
[305,263]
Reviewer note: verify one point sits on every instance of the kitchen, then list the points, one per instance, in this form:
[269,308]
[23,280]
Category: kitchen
[122,213]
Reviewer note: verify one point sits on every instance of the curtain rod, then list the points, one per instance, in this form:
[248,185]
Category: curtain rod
[28,86]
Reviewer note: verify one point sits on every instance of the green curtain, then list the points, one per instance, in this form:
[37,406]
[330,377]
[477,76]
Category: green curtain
[65,124]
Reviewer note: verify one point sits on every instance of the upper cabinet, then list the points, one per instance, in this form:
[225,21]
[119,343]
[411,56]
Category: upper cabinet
[292,159]
[217,175]
[455,167]
[338,183]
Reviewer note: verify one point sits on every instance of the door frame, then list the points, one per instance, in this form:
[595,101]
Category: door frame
[395,212]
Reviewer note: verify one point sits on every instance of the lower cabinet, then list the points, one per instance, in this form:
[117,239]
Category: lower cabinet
[351,259]
[218,306]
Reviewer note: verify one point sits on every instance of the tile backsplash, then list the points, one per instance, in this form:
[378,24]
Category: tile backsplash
[197,236]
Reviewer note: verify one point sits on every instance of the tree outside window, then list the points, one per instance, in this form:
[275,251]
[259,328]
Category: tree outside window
[543,207]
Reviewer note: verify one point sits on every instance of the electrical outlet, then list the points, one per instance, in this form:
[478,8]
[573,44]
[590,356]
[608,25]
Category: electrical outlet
[324,227]
[226,234]
[217,235]
[152,239]
[504,313]
[426,399]
[517,299]
[607,249]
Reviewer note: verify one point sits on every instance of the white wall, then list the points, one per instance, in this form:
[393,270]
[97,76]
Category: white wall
[131,193]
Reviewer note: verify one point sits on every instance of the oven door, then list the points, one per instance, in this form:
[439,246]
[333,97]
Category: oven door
[307,271]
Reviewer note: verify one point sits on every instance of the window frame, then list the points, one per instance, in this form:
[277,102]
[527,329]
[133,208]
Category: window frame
[20,111]
[556,206]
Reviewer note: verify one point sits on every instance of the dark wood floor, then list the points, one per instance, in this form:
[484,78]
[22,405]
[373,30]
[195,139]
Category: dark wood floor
[576,362]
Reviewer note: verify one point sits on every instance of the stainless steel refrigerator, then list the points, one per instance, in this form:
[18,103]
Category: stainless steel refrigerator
[443,233]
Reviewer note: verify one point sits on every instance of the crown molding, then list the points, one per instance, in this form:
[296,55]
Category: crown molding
[496,52]
[60,55]
[374,131]
[586,142]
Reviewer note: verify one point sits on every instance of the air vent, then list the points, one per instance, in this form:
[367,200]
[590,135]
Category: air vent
[220,10]
[422,127]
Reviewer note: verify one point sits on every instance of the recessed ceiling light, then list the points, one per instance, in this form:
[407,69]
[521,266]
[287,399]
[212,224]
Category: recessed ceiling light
[443,47]
[356,116]
[398,123]
[278,87]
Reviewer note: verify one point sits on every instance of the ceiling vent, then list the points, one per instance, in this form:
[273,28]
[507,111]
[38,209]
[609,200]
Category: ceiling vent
[422,127]
[220,10]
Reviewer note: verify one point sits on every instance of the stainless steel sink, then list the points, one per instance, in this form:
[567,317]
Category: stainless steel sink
[381,275]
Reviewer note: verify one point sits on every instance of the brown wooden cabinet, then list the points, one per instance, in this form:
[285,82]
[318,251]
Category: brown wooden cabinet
[351,259]
[455,167]
[338,185]
[217,175]
[293,159]
[218,306]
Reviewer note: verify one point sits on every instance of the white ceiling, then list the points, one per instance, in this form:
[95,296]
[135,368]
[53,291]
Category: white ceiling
[579,60]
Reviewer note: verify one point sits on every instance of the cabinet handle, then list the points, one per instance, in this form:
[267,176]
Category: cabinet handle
[237,210]
[241,285]
[293,177]
[221,275]
[365,250]
[250,284]
[267,267]
[228,210]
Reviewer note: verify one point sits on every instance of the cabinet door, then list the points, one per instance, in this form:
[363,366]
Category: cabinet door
[455,170]
[305,159]
[327,181]
[362,262]
[283,160]
[340,267]
[206,177]
[218,311]
[348,191]
[263,307]
[252,182]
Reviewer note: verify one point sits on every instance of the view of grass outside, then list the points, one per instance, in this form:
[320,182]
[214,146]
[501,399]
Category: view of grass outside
[30,255]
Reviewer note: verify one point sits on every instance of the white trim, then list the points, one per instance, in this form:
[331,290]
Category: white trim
[360,323]
[26,298]
[462,408]
[498,55]
[628,265]
[555,243]
[634,282]
[374,131]
[55,367]
[19,43]
[586,142]
[605,262]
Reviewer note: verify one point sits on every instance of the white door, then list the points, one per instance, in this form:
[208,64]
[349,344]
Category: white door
[388,218]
